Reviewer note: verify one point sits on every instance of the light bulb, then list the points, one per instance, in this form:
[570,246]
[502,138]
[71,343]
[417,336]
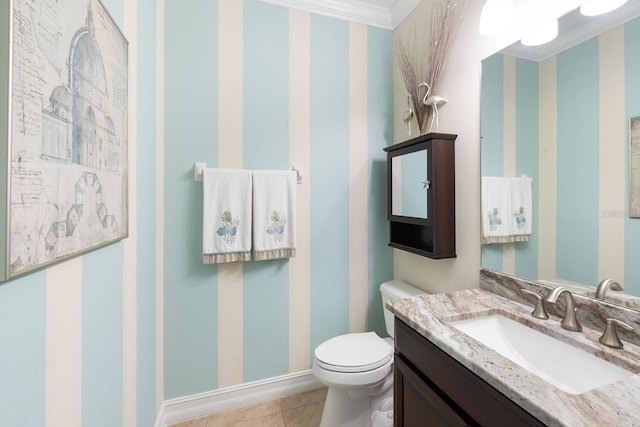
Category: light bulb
[599,7]
[497,16]
[544,34]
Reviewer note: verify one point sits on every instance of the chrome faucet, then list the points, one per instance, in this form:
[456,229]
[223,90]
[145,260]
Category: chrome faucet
[570,321]
[605,285]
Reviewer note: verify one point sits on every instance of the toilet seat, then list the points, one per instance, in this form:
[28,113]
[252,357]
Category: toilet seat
[351,353]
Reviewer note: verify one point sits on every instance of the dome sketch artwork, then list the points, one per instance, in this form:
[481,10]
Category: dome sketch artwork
[69,132]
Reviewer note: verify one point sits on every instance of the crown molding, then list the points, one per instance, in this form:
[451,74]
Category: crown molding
[355,10]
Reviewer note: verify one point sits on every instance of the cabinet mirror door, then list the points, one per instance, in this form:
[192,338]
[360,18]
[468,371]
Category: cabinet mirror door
[410,185]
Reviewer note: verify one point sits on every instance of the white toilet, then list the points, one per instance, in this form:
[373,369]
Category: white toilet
[358,371]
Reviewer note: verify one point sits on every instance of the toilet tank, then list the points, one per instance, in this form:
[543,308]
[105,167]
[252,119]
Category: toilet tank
[394,289]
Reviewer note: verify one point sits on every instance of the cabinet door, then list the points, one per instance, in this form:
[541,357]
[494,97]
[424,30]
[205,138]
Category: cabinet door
[416,404]
[480,403]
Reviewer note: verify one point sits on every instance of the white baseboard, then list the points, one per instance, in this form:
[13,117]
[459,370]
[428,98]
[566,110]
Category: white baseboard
[200,405]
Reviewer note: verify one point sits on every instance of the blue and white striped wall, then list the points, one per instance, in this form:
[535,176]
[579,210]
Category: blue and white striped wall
[258,86]
[583,99]
[509,113]
[105,338]
[79,338]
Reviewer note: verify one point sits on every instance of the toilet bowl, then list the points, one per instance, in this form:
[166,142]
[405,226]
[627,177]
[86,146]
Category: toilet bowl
[357,369]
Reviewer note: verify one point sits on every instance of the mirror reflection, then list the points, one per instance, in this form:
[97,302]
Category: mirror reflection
[409,184]
[562,119]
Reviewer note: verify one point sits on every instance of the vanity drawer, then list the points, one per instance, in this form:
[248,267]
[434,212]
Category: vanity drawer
[475,399]
[417,404]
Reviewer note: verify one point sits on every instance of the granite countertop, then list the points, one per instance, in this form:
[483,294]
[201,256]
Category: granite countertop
[614,404]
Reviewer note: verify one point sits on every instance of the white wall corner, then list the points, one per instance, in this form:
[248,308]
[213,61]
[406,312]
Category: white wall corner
[400,10]
[203,404]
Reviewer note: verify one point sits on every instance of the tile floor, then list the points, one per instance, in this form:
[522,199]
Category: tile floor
[300,410]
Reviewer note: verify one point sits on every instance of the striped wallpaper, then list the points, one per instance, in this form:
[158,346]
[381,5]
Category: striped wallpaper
[78,339]
[105,338]
[564,122]
[258,86]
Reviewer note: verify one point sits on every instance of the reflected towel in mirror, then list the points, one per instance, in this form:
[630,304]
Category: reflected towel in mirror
[506,209]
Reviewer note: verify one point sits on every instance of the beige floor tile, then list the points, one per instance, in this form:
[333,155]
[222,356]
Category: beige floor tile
[304,416]
[197,422]
[301,410]
[235,416]
[273,420]
[303,399]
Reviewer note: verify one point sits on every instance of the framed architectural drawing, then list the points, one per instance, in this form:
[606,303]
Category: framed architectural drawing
[64,126]
[634,167]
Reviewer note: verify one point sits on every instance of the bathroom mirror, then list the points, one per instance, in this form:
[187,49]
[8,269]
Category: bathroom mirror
[560,113]
[409,184]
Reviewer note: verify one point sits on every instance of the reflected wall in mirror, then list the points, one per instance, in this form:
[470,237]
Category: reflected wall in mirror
[410,185]
[564,122]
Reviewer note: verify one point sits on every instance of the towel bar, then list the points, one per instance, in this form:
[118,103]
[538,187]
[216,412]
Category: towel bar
[199,167]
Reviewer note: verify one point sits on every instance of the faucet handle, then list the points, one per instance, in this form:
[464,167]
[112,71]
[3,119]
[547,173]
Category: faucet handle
[539,312]
[610,335]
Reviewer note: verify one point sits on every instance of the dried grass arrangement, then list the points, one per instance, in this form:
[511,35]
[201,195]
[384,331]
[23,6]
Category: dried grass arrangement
[422,61]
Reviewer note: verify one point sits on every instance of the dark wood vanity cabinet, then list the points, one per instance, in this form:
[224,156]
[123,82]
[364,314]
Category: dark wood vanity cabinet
[433,389]
[421,195]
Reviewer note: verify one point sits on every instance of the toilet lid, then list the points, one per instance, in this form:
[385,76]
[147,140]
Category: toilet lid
[353,353]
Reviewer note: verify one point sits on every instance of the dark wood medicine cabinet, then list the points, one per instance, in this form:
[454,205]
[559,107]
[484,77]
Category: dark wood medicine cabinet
[421,195]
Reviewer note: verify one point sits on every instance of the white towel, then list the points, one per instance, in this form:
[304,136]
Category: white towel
[226,216]
[274,219]
[521,206]
[495,192]
[506,205]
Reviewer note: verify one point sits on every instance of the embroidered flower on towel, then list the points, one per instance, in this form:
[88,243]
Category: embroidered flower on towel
[494,219]
[229,228]
[276,229]
[520,218]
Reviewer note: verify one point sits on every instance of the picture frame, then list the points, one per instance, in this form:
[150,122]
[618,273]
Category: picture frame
[64,117]
[634,167]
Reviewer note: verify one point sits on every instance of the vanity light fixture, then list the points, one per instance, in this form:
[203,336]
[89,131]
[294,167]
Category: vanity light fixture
[544,34]
[599,7]
[497,16]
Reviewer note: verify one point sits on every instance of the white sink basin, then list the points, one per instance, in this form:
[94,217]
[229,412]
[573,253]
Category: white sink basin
[565,366]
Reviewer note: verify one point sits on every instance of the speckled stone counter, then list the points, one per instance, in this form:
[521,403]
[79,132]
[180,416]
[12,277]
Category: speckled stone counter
[592,313]
[615,404]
